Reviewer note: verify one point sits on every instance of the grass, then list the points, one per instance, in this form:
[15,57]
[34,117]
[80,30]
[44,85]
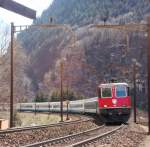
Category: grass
[4,115]
[28,119]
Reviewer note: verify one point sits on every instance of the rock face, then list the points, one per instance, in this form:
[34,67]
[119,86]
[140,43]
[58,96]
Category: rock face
[98,55]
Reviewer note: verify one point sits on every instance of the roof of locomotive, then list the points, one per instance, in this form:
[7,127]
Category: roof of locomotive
[112,84]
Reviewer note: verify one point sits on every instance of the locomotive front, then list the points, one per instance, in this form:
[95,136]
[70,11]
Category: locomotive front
[114,102]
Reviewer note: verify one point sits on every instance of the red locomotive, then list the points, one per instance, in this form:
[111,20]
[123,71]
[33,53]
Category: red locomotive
[114,102]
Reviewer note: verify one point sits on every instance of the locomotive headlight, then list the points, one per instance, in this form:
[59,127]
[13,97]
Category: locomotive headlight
[105,106]
[114,101]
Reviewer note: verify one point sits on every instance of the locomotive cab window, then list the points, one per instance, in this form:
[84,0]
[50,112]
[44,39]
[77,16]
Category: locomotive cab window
[121,91]
[128,91]
[99,91]
[106,93]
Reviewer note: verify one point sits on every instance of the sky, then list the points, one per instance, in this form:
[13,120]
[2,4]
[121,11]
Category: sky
[38,5]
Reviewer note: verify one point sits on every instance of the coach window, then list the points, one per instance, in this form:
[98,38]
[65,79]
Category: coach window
[121,91]
[106,93]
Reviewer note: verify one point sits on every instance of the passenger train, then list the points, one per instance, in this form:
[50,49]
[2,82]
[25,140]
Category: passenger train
[113,104]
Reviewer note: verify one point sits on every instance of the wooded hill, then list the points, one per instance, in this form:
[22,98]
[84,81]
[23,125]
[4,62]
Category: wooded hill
[99,55]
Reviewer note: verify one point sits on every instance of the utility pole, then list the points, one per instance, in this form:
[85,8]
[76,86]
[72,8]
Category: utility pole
[27,12]
[67,102]
[134,97]
[12,77]
[148,67]
[35,108]
[61,90]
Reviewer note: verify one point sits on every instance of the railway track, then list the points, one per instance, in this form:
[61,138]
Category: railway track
[95,138]
[27,135]
[20,129]
[78,139]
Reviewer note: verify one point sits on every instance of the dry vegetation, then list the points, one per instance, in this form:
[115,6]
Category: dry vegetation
[28,119]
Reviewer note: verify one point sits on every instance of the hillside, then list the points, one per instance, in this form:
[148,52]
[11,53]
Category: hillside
[98,55]
[83,12]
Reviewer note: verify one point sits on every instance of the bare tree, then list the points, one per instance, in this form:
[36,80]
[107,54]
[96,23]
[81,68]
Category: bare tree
[4,37]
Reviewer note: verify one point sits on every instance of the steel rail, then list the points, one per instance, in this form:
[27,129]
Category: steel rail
[12,130]
[52,141]
[96,137]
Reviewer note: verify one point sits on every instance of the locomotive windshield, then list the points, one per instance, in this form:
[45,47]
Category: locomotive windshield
[106,92]
[121,91]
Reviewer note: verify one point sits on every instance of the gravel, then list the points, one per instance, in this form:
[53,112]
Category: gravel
[142,117]
[130,136]
[31,136]
[85,136]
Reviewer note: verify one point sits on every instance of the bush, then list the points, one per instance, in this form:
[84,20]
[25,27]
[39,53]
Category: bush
[67,95]
[40,97]
[17,120]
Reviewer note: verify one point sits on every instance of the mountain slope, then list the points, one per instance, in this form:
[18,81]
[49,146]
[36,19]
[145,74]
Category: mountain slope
[98,55]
